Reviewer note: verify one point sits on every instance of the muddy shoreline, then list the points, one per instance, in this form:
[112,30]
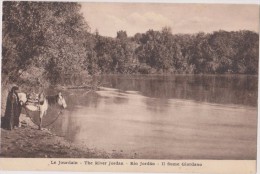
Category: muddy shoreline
[29,142]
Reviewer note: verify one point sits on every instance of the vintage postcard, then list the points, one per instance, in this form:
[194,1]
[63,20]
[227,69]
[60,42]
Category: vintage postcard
[129,87]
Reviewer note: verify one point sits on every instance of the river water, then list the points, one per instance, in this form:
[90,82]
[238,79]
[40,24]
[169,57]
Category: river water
[164,117]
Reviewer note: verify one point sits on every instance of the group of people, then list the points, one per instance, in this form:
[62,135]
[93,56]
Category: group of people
[13,110]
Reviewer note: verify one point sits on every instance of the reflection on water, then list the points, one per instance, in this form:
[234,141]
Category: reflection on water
[165,117]
[206,88]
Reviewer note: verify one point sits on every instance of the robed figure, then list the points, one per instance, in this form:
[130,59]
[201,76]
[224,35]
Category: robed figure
[12,111]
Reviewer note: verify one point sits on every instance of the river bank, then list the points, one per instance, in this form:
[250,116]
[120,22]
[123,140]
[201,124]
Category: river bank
[28,142]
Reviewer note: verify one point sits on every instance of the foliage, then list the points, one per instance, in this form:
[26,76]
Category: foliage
[54,37]
[43,34]
[220,52]
[114,55]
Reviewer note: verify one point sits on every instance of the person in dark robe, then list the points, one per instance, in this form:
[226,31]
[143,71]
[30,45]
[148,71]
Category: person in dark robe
[13,110]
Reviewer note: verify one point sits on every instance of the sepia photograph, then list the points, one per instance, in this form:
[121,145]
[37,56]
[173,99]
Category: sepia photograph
[129,81]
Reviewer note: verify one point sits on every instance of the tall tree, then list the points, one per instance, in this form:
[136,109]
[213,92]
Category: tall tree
[40,34]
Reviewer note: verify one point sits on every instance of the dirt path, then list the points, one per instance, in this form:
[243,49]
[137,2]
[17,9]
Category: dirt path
[28,142]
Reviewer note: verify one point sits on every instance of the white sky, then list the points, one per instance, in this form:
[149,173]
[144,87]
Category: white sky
[109,18]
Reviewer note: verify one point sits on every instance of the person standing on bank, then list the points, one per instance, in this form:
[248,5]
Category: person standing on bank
[13,110]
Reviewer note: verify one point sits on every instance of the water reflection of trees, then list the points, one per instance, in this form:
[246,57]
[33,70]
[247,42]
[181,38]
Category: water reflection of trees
[120,100]
[116,100]
[82,98]
[157,105]
[204,88]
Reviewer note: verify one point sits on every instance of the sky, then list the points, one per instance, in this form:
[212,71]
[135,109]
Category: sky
[108,18]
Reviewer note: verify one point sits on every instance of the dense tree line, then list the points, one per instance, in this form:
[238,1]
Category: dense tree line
[55,37]
[220,52]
